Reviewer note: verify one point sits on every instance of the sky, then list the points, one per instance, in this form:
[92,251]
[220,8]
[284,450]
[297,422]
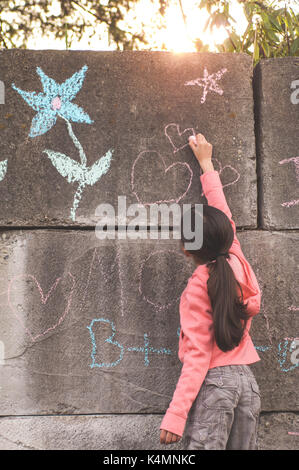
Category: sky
[175,36]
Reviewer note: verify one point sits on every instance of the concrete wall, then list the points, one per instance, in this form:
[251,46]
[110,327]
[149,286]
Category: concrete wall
[89,327]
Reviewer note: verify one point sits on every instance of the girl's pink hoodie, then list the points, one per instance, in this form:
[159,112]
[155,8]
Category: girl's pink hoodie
[197,348]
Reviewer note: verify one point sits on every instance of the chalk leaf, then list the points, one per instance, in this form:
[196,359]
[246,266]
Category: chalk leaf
[66,166]
[99,168]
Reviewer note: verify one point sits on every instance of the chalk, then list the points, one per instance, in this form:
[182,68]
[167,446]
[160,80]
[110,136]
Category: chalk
[179,136]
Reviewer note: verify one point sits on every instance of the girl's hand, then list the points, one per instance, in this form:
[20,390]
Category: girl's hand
[202,149]
[167,437]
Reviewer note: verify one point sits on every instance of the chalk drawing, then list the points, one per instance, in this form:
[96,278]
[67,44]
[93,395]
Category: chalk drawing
[79,172]
[2,92]
[2,354]
[208,82]
[294,202]
[282,353]
[44,300]
[292,433]
[234,176]
[296,162]
[295,95]
[146,349]
[159,253]
[108,340]
[3,169]
[104,276]
[56,101]
[172,132]
[293,308]
[122,309]
[159,159]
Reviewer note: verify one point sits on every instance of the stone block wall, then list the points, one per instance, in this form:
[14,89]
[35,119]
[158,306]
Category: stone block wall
[89,327]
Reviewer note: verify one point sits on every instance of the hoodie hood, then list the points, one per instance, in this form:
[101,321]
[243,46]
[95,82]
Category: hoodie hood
[245,276]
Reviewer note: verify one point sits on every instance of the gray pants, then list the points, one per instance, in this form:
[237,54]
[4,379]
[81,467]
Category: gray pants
[225,413]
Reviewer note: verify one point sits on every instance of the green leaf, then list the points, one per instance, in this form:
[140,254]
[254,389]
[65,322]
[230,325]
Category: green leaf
[66,166]
[274,23]
[273,36]
[289,22]
[256,51]
[207,23]
[235,38]
[265,18]
[266,49]
[294,46]
[99,168]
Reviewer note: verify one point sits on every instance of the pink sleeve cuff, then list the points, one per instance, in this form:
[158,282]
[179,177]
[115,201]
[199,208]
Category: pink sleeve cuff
[173,423]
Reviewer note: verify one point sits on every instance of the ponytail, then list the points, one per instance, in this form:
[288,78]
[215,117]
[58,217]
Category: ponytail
[228,309]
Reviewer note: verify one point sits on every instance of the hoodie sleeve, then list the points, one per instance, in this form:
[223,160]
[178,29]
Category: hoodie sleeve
[198,345]
[213,191]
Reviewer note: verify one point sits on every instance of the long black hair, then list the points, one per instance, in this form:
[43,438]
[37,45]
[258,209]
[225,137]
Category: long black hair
[228,309]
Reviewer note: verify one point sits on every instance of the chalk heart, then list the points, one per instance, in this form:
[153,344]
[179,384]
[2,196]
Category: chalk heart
[151,177]
[178,140]
[19,282]
[227,173]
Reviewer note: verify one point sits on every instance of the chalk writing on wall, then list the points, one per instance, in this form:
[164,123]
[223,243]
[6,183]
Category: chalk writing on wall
[284,348]
[145,349]
[149,158]
[3,169]
[295,160]
[208,82]
[178,140]
[146,266]
[295,94]
[44,299]
[56,100]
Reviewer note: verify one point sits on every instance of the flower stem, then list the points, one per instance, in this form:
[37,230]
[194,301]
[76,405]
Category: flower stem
[77,199]
[76,142]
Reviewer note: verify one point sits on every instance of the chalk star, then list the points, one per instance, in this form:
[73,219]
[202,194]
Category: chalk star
[208,82]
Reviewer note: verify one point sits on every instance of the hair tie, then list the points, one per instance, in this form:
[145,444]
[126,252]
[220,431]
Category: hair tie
[223,254]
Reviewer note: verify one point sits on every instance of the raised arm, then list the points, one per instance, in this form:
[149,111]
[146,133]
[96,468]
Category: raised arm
[210,179]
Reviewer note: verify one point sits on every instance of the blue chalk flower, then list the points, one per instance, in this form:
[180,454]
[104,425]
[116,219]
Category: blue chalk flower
[55,101]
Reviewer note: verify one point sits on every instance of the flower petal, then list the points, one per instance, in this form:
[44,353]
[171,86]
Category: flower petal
[42,122]
[74,113]
[72,85]
[36,100]
[51,88]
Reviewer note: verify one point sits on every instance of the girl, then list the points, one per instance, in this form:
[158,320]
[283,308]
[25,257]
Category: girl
[217,390]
